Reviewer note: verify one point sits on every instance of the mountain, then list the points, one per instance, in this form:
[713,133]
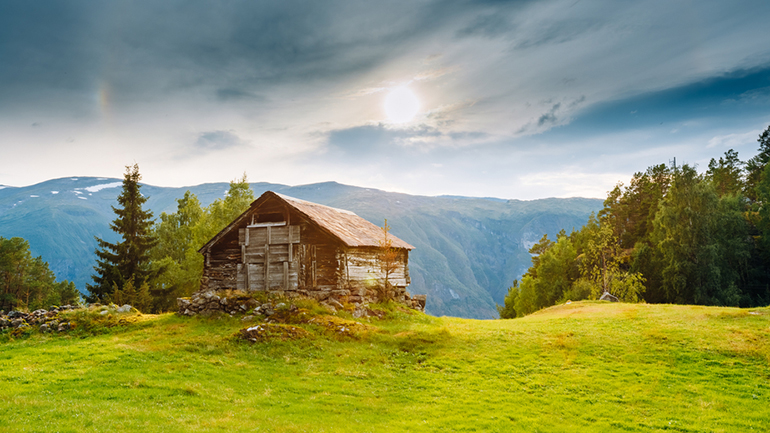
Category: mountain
[468,250]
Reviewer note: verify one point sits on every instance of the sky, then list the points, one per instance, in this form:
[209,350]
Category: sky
[510,99]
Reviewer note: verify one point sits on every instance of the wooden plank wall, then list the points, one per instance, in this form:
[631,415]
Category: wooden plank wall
[362,265]
[318,260]
[268,258]
[220,268]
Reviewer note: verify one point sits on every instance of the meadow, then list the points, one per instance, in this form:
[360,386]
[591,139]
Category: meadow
[587,366]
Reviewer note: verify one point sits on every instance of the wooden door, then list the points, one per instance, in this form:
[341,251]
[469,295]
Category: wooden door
[268,257]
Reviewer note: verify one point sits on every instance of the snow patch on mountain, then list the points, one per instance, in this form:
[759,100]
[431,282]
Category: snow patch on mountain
[101,186]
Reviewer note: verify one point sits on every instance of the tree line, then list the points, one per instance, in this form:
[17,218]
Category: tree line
[671,235]
[155,262]
[26,282]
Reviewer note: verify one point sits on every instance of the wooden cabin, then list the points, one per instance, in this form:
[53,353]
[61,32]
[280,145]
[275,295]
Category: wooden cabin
[292,247]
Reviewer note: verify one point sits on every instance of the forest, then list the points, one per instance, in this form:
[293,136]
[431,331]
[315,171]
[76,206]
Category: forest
[27,282]
[671,235]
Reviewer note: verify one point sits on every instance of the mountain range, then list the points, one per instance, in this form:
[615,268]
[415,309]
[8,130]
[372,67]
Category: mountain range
[468,250]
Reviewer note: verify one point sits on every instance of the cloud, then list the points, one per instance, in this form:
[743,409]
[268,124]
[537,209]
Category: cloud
[731,141]
[487,25]
[219,140]
[231,94]
[508,88]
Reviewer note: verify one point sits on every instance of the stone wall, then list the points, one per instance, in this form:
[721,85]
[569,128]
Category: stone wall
[235,302]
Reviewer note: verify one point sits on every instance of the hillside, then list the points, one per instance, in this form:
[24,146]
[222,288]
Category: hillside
[588,366]
[468,249]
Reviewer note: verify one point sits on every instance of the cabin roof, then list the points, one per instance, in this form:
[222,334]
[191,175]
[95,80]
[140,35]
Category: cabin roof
[349,228]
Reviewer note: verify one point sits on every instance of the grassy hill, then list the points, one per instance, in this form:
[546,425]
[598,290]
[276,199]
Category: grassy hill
[588,366]
[469,250]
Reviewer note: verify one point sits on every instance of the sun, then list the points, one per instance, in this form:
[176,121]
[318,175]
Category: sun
[401,105]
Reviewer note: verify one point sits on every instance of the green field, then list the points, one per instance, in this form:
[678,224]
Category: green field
[588,366]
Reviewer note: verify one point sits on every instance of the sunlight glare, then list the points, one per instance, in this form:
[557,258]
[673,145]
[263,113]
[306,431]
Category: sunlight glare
[401,105]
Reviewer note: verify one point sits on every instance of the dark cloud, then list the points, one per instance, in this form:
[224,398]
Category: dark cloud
[239,47]
[219,140]
[491,25]
[364,142]
[238,95]
[549,118]
[560,32]
[738,95]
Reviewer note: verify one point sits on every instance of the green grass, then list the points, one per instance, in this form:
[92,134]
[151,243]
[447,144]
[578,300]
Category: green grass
[587,366]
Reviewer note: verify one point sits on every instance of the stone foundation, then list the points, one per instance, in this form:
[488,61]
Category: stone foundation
[234,302]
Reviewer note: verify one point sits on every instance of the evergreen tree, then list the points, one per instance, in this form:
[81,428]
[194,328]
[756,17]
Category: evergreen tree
[127,259]
[756,165]
[727,174]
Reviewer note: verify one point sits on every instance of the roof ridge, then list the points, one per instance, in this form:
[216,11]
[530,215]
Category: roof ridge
[310,203]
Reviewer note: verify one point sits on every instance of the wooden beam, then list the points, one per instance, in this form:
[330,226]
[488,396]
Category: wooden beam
[267,263]
[291,255]
[285,275]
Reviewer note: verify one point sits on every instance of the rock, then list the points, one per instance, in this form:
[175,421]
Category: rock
[280,305]
[65,326]
[418,302]
[335,303]
[17,322]
[103,312]
[607,296]
[4,323]
[44,328]
[124,309]
[15,314]
[247,318]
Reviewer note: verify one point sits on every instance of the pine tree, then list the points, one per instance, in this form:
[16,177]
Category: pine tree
[756,165]
[127,259]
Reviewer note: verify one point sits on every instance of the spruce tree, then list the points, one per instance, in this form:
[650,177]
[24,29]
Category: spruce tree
[127,259]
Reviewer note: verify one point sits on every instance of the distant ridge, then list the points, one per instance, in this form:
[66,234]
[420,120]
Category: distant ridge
[468,249]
